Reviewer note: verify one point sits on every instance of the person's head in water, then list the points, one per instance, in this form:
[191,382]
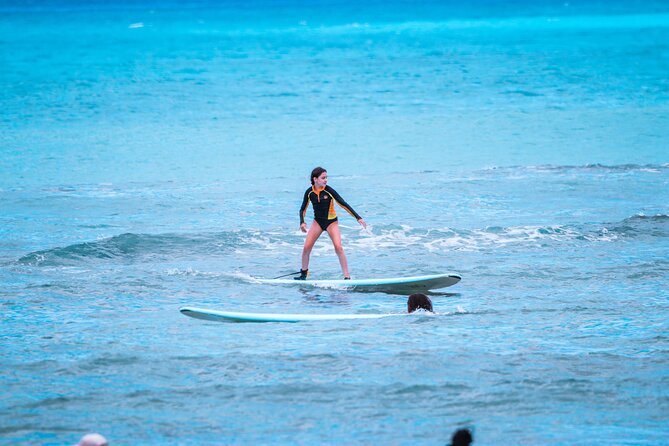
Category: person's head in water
[316,174]
[419,300]
[462,437]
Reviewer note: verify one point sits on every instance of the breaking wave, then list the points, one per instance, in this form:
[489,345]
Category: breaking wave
[523,236]
[618,168]
[133,247]
[146,247]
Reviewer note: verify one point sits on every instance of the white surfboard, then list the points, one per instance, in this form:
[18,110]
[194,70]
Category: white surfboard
[233,316]
[395,284]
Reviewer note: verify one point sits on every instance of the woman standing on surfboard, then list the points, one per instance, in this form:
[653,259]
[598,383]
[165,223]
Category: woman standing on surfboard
[323,199]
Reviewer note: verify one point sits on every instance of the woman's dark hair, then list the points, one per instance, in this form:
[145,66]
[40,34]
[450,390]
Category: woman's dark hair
[316,173]
[419,300]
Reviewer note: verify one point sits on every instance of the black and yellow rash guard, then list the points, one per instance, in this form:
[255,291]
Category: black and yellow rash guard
[323,202]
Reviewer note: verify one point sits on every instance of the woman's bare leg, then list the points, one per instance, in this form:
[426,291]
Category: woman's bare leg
[315,231]
[335,236]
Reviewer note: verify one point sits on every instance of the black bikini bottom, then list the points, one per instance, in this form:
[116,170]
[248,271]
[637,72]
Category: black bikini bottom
[324,223]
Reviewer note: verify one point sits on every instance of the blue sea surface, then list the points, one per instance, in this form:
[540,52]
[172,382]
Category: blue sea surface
[154,154]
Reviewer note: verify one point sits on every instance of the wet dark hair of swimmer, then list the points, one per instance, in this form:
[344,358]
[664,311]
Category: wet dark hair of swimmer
[462,437]
[419,300]
[317,172]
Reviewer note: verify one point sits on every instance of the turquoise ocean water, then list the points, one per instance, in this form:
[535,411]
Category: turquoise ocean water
[154,155]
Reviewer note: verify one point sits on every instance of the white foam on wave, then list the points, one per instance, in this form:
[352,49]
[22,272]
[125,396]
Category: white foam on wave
[422,312]
[475,240]
[604,235]
[331,286]
[493,237]
[241,276]
[192,273]
[394,238]
[268,243]
[38,258]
